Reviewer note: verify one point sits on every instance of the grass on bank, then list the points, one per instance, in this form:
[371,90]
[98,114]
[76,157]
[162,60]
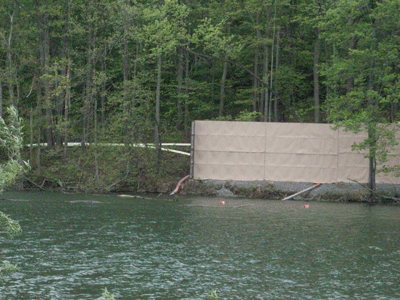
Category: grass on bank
[109,169]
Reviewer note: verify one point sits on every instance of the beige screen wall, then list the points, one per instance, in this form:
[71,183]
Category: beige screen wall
[250,151]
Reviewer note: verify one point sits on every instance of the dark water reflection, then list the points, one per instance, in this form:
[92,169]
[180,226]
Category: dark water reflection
[155,249]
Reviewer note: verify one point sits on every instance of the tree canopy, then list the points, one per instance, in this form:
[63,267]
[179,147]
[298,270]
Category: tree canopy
[141,71]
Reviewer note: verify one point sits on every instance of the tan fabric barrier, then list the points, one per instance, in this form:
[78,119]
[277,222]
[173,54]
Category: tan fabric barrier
[251,151]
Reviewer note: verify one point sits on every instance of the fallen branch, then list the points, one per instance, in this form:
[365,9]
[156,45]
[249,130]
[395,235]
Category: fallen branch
[372,191]
[227,206]
[34,183]
[108,189]
[363,185]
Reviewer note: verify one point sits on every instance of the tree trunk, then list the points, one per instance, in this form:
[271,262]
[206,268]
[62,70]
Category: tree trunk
[46,53]
[179,90]
[186,126]
[125,64]
[223,79]
[265,83]
[316,77]
[372,137]
[31,134]
[88,99]
[157,116]
[256,55]
[135,65]
[265,72]
[62,103]
[276,99]
[9,61]
[96,155]
[103,85]
[66,108]
[272,66]
[1,95]
[39,129]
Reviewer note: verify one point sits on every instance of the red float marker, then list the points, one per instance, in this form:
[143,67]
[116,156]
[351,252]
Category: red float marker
[221,202]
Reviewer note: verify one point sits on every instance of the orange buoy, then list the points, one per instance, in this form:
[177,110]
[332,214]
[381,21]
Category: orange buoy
[221,202]
[305,205]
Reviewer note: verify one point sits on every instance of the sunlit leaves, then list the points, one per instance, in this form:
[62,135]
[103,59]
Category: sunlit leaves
[11,141]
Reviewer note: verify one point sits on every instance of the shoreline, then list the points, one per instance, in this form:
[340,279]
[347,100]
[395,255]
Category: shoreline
[268,190]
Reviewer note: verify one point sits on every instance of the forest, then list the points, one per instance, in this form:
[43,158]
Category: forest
[131,71]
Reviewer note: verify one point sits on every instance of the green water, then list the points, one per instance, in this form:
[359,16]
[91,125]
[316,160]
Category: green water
[157,249]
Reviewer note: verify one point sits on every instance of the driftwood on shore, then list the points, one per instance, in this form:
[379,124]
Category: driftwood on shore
[8,199]
[227,206]
[84,201]
[134,196]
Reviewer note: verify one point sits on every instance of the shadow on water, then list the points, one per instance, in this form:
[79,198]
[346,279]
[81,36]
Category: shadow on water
[73,246]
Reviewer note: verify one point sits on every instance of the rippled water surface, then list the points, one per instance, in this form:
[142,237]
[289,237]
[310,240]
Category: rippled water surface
[186,249]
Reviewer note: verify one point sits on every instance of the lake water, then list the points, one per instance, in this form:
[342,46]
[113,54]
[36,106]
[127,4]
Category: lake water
[190,248]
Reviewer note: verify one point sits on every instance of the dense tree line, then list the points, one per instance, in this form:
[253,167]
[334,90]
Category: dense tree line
[141,71]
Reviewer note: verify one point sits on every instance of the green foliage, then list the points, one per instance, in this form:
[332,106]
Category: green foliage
[7,268]
[88,69]
[10,226]
[362,73]
[248,116]
[106,295]
[11,142]
[213,295]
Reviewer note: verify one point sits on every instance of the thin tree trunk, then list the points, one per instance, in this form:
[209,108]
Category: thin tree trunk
[213,82]
[372,137]
[66,108]
[103,85]
[46,53]
[31,134]
[272,67]
[96,155]
[1,95]
[157,116]
[39,129]
[179,90]
[265,81]
[265,73]
[186,127]
[255,81]
[88,99]
[394,109]
[276,100]
[65,76]
[125,63]
[256,55]
[223,79]
[135,65]
[43,37]
[350,79]
[316,77]
[9,61]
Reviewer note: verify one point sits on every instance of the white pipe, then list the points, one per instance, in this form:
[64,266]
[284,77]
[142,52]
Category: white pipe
[303,191]
[140,145]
